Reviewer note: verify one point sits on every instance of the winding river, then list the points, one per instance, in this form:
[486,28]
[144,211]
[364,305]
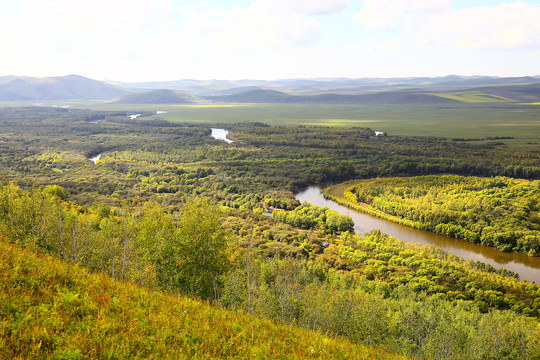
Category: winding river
[527,267]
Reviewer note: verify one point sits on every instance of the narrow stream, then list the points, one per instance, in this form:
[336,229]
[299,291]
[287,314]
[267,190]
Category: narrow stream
[527,267]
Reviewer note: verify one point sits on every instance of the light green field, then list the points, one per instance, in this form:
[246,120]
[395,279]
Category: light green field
[454,121]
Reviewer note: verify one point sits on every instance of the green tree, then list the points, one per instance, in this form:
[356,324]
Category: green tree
[195,259]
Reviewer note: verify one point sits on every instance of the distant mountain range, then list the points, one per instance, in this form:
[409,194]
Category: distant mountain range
[71,87]
[329,85]
[447,89]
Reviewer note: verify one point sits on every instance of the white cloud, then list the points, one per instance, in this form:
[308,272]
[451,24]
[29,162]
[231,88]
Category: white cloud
[384,15]
[54,37]
[256,26]
[381,15]
[391,46]
[311,7]
[509,25]
[73,27]
[430,6]
[386,47]
[164,39]
[506,26]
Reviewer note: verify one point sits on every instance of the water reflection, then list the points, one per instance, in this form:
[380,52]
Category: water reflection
[527,267]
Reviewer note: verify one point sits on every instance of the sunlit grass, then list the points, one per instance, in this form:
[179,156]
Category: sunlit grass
[49,309]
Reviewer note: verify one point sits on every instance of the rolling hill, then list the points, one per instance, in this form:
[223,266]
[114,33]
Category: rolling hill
[273,96]
[422,90]
[162,96]
[335,85]
[71,87]
[524,93]
[503,93]
[256,96]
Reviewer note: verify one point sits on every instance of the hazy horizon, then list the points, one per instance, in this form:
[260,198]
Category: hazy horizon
[315,78]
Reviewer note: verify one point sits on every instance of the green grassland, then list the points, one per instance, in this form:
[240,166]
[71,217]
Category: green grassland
[462,120]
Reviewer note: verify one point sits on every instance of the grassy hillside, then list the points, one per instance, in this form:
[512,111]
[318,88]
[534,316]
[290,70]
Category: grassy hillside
[49,309]
[525,93]
[472,96]
[507,93]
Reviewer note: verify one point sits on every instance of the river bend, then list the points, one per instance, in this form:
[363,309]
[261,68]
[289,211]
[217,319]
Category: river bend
[527,267]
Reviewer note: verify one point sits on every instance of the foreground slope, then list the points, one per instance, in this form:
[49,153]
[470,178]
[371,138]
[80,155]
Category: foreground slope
[49,309]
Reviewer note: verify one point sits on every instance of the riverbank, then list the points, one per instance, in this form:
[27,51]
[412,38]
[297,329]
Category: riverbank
[341,194]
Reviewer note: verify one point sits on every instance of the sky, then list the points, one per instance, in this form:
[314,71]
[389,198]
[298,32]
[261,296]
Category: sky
[162,40]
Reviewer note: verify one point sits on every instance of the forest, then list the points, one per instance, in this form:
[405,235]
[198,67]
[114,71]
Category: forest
[170,209]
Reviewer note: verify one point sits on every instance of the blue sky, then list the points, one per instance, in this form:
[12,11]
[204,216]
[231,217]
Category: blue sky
[133,40]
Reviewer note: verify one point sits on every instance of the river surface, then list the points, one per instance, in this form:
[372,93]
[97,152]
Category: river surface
[527,267]
[95,159]
[220,134]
